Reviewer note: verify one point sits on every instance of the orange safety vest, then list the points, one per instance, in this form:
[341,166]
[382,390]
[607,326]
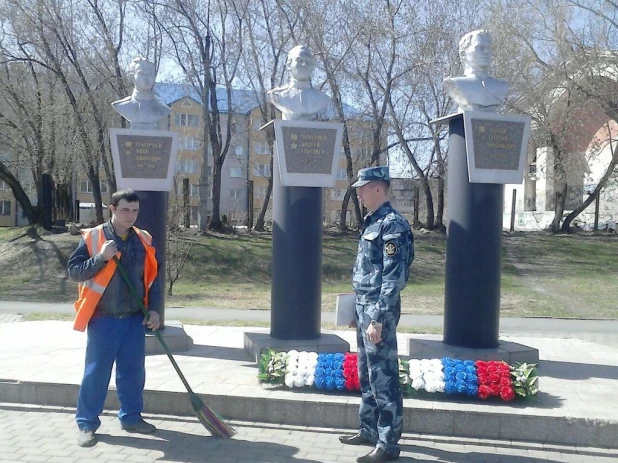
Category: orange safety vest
[90,291]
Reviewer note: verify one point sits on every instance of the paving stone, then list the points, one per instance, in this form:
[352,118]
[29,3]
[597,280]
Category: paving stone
[179,439]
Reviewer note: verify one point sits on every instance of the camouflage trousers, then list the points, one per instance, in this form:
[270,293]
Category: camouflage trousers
[381,408]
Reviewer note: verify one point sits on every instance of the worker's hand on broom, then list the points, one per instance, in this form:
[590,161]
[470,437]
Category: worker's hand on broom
[108,250]
[152,321]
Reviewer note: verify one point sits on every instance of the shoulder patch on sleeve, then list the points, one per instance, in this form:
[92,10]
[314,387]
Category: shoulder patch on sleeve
[390,248]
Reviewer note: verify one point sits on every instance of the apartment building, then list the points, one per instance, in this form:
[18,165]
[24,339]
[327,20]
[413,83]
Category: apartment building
[249,156]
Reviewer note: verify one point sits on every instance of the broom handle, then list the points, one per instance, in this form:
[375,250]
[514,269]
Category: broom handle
[133,292]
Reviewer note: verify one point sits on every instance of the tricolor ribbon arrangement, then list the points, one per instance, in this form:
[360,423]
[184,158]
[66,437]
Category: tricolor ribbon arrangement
[339,372]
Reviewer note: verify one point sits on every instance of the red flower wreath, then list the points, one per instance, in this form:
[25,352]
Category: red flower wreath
[495,380]
[350,372]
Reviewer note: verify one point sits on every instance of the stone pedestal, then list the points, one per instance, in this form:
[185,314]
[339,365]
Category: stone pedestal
[510,352]
[257,343]
[306,160]
[174,336]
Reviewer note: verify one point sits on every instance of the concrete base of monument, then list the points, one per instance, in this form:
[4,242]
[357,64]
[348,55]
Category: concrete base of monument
[510,352]
[256,343]
[174,336]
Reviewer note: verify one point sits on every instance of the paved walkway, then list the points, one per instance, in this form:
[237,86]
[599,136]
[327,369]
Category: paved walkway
[47,434]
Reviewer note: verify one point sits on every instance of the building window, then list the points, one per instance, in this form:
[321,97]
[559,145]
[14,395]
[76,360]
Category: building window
[257,123]
[189,143]
[3,185]
[337,194]
[235,172]
[86,187]
[342,174]
[190,120]
[261,147]
[195,189]
[239,151]
[5,207]
[233,127]
[195,213]
[235,194]
[187,166]
[261,170]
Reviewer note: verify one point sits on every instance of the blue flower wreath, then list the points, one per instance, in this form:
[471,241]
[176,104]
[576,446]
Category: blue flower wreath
[329,372]
[460,377]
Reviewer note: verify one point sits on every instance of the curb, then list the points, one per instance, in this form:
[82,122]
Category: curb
[326,411]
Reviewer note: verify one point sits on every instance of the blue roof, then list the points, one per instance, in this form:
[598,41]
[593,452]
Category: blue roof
[243,101]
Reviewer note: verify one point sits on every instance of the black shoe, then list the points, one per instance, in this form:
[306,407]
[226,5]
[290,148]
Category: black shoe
[141,427]
[356,439]
[377,455]
[86,438]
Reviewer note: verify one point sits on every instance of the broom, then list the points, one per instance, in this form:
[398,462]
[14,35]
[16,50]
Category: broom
[212,421]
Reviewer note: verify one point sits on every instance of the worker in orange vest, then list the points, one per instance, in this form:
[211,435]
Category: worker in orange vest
[114,320]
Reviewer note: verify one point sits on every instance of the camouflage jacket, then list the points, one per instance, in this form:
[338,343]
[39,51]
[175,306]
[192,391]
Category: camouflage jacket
[382,267]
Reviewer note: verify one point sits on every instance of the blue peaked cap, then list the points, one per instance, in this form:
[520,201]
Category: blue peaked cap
[370,174]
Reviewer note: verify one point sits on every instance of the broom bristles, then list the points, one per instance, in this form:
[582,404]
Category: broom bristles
[211,420]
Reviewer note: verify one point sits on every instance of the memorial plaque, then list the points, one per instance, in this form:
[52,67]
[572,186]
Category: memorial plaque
[144,159]
[307,152]
[496,146]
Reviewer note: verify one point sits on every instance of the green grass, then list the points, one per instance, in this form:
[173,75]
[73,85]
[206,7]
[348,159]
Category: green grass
[542,275]
[40,316]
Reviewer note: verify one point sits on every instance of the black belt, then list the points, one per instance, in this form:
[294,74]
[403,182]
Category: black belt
[118,316]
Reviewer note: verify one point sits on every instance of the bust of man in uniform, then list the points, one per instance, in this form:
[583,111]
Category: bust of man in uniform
[298,100]
[142,109]
[475,90]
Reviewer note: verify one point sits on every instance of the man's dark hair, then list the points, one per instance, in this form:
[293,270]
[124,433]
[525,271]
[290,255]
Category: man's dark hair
[127,194]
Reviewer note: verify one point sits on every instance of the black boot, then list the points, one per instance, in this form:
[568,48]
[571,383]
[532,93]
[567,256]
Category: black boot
[356,439]
[377,455]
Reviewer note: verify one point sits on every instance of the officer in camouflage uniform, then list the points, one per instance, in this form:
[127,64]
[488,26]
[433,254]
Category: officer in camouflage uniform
[381,271]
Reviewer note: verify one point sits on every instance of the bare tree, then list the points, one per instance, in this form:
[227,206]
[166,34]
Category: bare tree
[269,33]
[559,57]
[55,36]
[179,242]
[206,39]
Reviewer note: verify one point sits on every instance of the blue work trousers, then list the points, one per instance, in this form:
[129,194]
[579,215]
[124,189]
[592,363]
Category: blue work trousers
[119,340]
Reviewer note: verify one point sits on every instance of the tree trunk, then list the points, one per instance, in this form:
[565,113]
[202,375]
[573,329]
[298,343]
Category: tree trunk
[93,176]
[21,197]
[259,223]
[429,216]
[439,223]
[215,219]
[343,214]
[566,225]
[416,223]
[560,198]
